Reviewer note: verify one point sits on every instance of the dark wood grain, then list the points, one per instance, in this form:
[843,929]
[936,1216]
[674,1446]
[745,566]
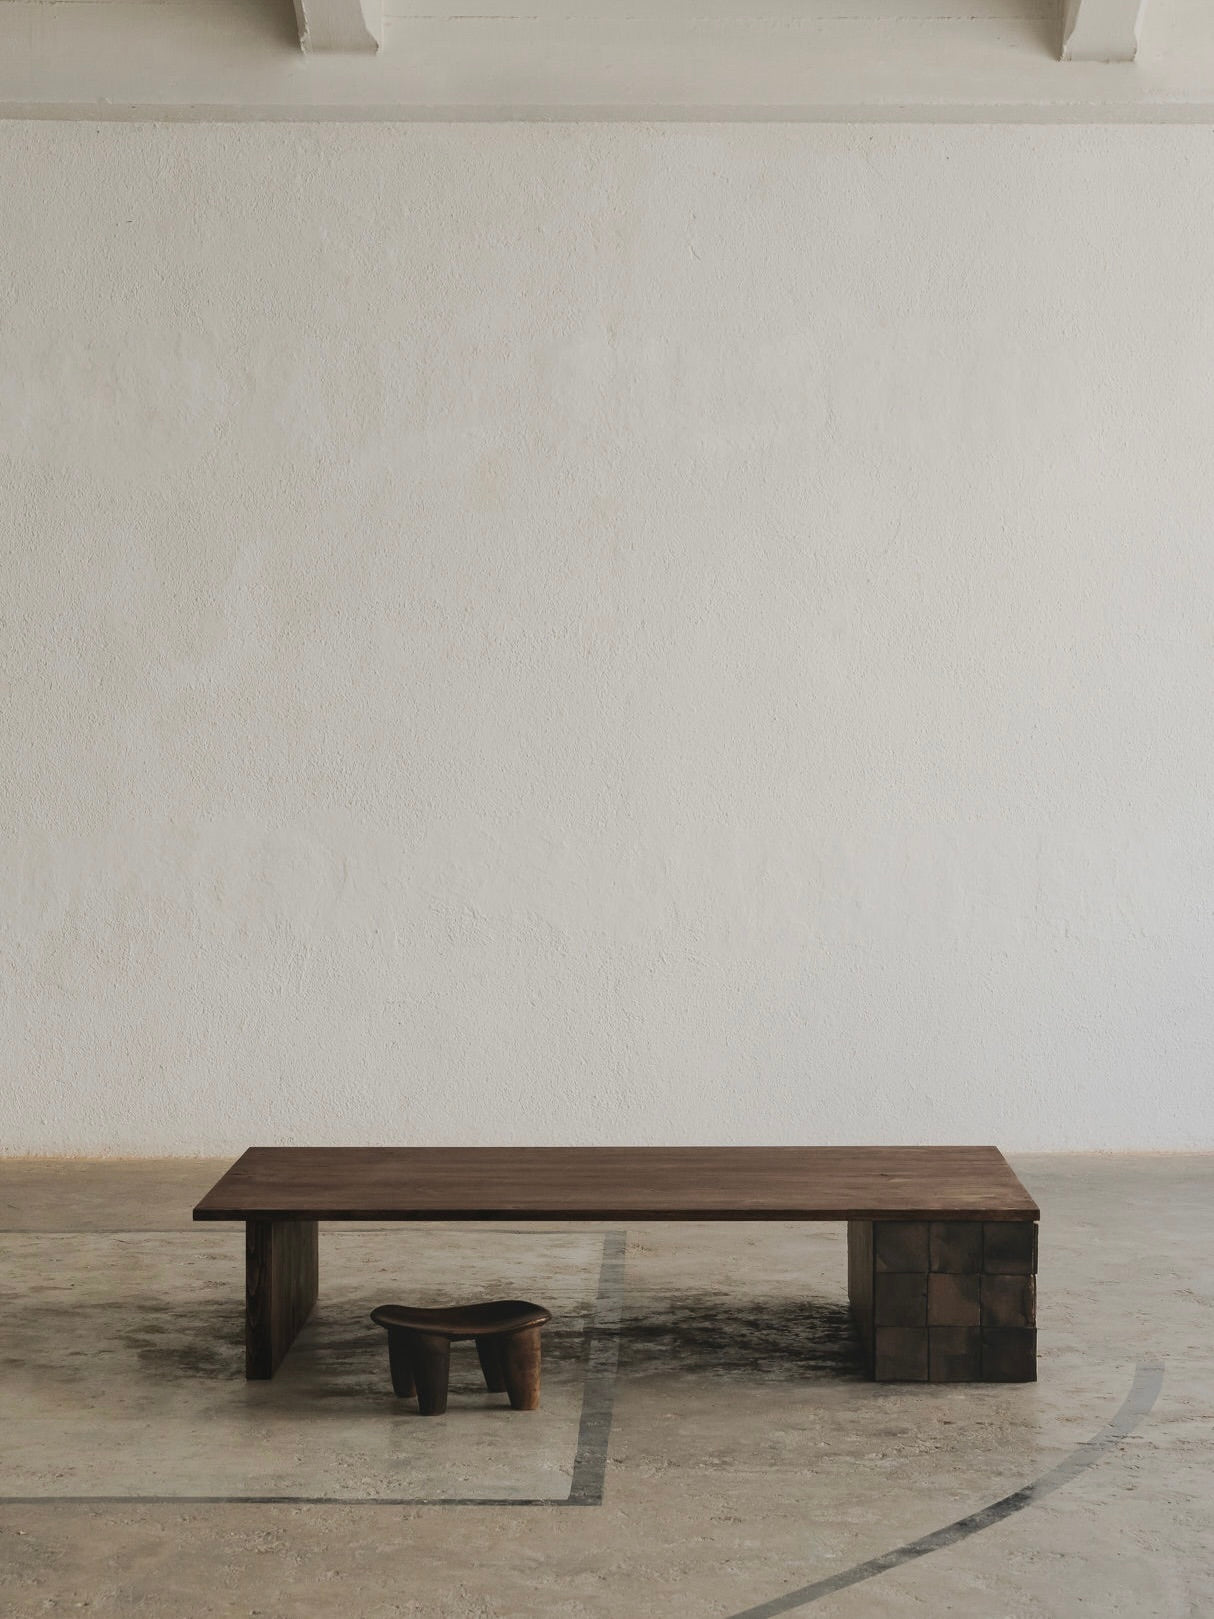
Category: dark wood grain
[901,1355]
[281,1276]
[1009,1354]
[953,1301]
[901,1245]
[956,1247]
[900,1301]
[619,1183]
[429,1357]
[400,1366]
[489,1353]
[1009,1250]
[507,1337]
[520,1363]
[1009,1301]
[860,1284]
[458,1321]
[955,1354]
[946,1301]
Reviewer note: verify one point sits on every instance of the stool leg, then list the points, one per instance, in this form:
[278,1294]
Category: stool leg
[398,1363]
[520,1353]
[489,1353]
[430,1364]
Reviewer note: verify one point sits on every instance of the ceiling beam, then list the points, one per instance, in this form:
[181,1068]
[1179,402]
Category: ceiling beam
[1101,30]
[339,25]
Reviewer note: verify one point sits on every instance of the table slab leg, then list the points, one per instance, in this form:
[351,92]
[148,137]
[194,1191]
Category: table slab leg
[281,1274]
[860,1284]
[945,1301]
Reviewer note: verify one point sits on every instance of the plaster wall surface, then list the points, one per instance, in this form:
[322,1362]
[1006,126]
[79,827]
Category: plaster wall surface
[605,633]
[699,60]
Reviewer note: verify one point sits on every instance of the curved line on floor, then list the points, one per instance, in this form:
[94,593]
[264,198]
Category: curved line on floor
[1144,1391]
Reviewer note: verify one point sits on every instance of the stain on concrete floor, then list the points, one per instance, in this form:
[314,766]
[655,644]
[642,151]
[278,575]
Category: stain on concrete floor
[724,1337]
[124,1373]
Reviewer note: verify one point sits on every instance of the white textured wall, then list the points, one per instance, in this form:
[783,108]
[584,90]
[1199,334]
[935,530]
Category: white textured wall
[606,634]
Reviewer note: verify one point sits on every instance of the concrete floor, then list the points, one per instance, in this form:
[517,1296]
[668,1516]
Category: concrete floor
[740,1458]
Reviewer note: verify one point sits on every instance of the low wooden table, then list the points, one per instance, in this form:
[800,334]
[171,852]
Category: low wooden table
[941,1241]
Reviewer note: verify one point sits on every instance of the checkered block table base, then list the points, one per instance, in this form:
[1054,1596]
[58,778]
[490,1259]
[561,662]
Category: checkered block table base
[945,1301]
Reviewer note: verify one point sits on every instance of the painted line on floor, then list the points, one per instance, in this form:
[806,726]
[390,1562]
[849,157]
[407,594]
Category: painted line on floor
[598,1390]
[1144,1391]
[590,1456]
[426,1501]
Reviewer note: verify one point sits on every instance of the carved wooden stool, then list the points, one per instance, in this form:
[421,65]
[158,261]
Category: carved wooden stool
[507,1335]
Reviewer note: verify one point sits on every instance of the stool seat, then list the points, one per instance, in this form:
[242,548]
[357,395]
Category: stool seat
[461,1321]
[507,1334]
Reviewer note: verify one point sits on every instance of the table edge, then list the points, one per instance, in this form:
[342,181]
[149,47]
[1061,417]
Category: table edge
[615,1214]
[1020,1207]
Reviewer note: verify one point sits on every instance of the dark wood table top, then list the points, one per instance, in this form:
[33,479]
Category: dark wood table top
[618,1183]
